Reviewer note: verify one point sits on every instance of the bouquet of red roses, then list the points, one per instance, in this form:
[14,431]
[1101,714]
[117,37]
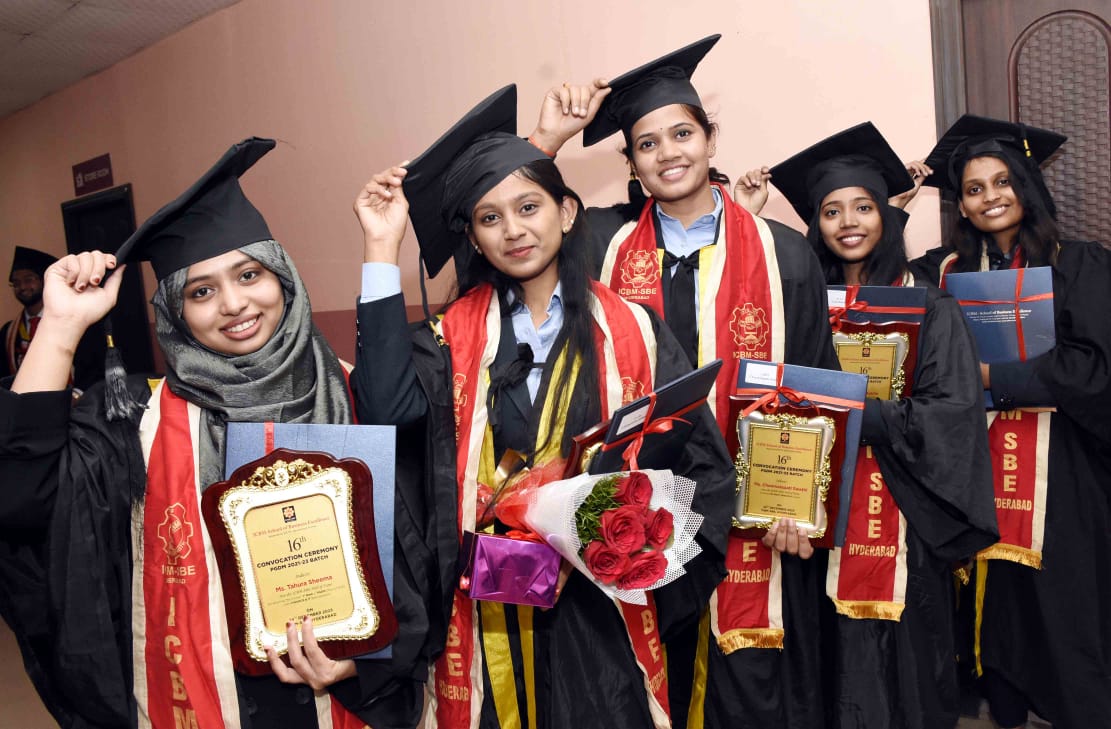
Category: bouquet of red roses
[627,532]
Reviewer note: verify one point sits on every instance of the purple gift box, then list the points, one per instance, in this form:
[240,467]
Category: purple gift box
[500,569]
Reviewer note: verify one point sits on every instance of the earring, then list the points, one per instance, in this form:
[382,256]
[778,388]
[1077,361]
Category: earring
[632,174]
[477,249]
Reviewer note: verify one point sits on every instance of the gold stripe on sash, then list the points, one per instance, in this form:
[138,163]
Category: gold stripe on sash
[981,585]
[707,305]
[552,449]
[524,623]
[1012,553]
[877,609]
[499,663]
[750,638]
[696,713]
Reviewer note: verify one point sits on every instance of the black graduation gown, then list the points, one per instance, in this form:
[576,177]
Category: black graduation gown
[70,480]
[761,687]
[1048,631]
[586,674]
[932,452]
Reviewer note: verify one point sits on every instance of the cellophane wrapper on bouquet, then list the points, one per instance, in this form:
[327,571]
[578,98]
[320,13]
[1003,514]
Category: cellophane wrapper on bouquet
[627,532]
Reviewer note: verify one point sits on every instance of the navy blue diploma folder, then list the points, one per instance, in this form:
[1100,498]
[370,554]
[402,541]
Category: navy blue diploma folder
[374,445]
[1007,328]
[659,449]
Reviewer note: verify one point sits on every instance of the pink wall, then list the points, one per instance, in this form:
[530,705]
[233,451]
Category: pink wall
[351,86]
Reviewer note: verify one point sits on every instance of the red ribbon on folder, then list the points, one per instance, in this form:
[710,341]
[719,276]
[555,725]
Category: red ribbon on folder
[1018,301]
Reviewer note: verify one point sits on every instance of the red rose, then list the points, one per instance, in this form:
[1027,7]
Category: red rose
[604,563]
[658,528]
[623,529]
[634,490]
[644,570]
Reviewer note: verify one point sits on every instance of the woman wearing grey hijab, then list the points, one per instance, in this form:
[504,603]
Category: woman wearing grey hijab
[135,634]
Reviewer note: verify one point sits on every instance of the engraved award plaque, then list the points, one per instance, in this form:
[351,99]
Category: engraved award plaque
[294,535]
[882,357]
[783,470]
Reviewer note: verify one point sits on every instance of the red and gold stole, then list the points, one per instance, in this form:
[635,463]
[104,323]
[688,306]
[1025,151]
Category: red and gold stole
[867,577]
[740,298]
[626,367]
[1019,443]
[181,652]
[740,315]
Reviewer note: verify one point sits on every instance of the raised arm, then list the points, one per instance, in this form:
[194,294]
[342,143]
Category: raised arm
[384,382]
[565,111]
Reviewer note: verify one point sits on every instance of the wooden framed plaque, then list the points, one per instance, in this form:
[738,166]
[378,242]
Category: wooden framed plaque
[294,535]
[783,470]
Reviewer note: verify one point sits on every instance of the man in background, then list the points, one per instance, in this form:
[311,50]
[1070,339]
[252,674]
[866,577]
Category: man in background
[28,266]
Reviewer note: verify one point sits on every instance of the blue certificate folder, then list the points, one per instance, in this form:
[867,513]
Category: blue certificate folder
[884,299]
[374,445]
[819,382]
[993,325]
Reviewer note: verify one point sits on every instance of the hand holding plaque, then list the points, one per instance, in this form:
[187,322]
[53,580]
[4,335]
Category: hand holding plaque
[294,535]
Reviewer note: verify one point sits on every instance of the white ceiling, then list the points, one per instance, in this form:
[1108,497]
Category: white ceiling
[46,45]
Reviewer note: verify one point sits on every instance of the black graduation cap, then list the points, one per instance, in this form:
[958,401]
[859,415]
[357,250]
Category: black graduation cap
[29,259]
[212,217]
[974,136]
[664,81]
[856,157]
[444,183]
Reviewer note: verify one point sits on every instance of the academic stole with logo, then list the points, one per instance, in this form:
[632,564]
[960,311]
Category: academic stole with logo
[180,647]
[740,316]
[472,329]
[1019,445]
[867,576]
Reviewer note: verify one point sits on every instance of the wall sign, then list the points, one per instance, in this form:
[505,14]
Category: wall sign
[92,175]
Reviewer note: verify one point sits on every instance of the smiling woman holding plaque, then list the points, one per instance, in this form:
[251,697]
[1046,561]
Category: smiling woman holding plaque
[922,489]
[136,632]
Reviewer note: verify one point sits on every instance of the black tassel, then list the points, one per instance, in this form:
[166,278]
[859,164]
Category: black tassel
[118,403]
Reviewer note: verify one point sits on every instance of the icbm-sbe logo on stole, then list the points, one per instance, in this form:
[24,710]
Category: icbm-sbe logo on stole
[749,326]
[176,533]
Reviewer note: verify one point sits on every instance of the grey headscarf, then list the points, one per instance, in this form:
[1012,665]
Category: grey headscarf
[294,378]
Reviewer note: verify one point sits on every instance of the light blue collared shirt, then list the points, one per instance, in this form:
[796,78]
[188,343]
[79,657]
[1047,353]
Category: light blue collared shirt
[381,280]
[680,241]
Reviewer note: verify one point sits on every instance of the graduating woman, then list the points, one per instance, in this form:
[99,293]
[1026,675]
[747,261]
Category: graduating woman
[925,471]
[135,633]
[1044,596]
[730,285]
[531,353]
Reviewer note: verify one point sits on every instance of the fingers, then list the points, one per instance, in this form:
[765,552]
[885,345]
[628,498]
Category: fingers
[582,101]
[296,653]
[112,285]
[785,535]
[308,663]
[919,170]
[755,178]
[596,99]
[85,269]
[383,186]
